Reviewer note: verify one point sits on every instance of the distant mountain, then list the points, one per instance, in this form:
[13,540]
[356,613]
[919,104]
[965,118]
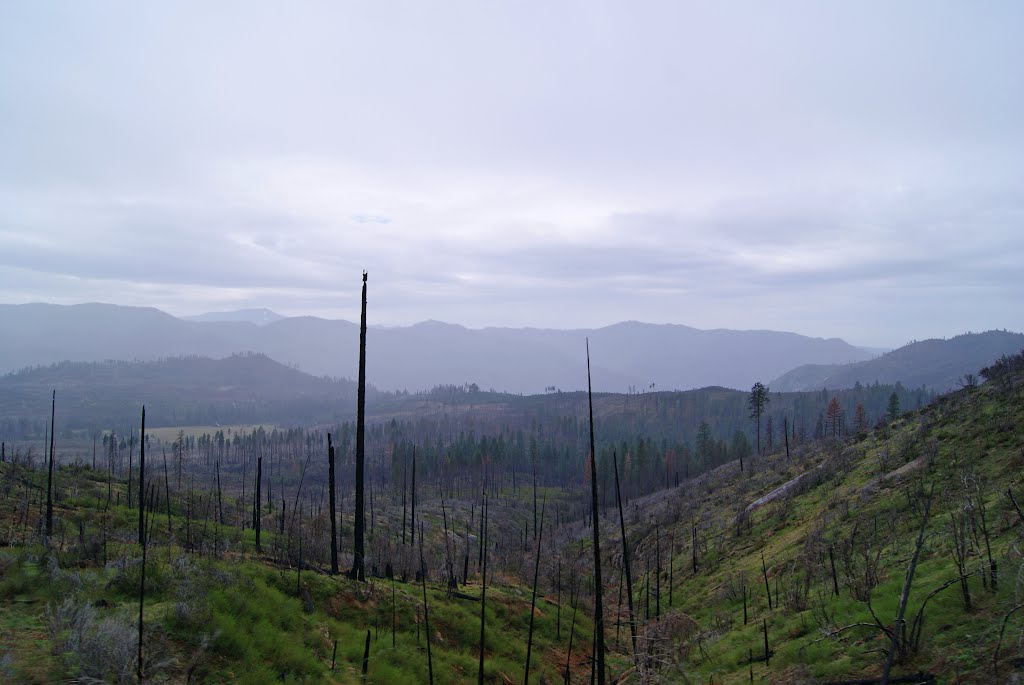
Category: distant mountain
[521,360]
[245,388]
[937,364]
[260,317]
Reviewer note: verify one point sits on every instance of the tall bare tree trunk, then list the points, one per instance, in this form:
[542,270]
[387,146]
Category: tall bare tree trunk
[142,530]
[412,509]
[334,523]
[220,501]
[483,588]
[598,601]
[257,522]
[49,476]
[167,496]
[426,614]
[533,600]
[358,564]
[625,558]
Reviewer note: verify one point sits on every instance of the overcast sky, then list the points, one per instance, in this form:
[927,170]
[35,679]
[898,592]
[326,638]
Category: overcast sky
[835,169]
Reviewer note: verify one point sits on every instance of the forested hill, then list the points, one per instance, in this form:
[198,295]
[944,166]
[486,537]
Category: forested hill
[523,360]
[938,364]
[242,388]
[667,434]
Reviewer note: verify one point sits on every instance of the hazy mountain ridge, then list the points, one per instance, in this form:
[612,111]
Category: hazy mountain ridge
[260,317]
[180,390]
[939,364]
[624,355]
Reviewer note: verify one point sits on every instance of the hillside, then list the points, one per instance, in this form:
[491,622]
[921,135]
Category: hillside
[625,355]
[815,549]
[253,389]
[243,388]
[787,570]
[938,364]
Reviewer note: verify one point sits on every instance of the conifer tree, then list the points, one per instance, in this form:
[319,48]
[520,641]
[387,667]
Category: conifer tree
[756,403]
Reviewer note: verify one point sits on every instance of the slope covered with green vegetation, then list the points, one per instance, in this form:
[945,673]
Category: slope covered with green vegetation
[785,567]
[215,610]
[813,551]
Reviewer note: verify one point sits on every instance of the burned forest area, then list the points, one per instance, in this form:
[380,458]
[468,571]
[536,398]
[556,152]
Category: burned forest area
[867,535]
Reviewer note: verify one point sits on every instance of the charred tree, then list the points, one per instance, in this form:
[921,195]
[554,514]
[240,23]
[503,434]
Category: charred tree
[220,501]
[142,531]
[426,614]
[412,508]
[625,557]
[533,600]
[598,602]
[167,497]
[572,634]
[767,587]
[483,588]
[358,564]
[49,475]
[257,522]
[334,523]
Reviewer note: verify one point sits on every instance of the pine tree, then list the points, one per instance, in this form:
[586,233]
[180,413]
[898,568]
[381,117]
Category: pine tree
[756,403]
[893,410]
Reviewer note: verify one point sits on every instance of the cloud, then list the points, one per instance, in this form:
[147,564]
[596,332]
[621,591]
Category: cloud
[836,170]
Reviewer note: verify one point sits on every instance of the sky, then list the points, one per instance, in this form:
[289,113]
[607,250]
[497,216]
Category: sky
[849,170]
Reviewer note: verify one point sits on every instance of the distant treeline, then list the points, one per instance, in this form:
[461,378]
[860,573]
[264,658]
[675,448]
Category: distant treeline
[660,439]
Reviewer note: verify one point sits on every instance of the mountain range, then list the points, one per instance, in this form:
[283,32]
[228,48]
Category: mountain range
[625,356]
[939,364]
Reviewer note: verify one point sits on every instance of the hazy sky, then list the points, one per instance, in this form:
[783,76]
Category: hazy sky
[837,169]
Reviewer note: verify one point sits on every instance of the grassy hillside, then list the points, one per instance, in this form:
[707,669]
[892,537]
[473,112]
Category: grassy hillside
[217,611]
[859,505]
[835,522]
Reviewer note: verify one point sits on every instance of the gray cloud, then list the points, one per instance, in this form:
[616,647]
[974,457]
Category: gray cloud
[850,170]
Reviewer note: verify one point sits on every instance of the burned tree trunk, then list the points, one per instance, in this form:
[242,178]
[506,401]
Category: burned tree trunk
[334,522]
[167,496]
[412,509]
[257,522]
[598,602]
[358,564]
[220,502]
[767,587]
[625,557]
[142,531]
[533,600]
[426,614]
[405,483]
[572,634]
[483,588]
[49,476]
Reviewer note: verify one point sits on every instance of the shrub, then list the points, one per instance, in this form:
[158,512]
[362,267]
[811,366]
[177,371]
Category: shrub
[103,649]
